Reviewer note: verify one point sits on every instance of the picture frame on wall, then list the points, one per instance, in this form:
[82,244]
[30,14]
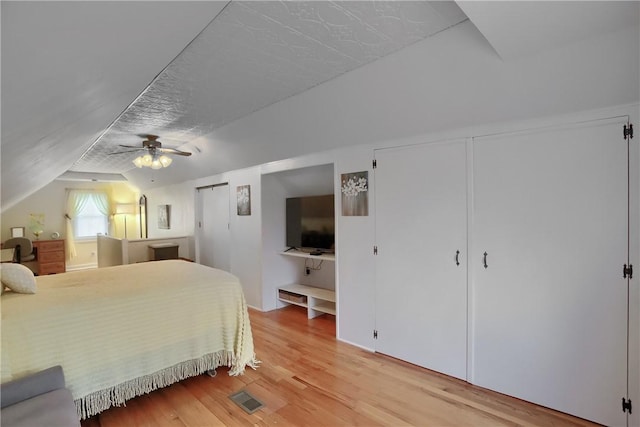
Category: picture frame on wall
[355,193]
[17,231]
[164,217]
[243,193]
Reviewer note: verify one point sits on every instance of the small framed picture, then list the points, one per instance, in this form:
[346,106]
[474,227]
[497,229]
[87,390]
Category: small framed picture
[244,199]
[17,231]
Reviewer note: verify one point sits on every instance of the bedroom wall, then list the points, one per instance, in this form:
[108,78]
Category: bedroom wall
[355,264]
[245,231]
[51,201]
[182,201]
[246,236]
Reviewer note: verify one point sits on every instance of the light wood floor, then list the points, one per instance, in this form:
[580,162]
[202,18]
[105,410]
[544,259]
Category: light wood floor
[309,378]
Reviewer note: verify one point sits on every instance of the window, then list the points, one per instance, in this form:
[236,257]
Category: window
[88,214]
[90,221]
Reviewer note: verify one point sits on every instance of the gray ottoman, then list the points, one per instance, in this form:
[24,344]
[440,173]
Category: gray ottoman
[36,400]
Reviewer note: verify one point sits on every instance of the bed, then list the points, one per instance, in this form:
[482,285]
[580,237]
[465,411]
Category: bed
[119,332]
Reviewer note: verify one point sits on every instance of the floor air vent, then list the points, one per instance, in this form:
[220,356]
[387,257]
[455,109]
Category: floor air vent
[247,402]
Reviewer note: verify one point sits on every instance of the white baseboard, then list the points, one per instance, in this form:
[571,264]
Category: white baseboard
[356,345]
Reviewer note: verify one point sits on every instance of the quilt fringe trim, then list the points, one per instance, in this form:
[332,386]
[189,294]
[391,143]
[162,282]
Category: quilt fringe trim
[98,401]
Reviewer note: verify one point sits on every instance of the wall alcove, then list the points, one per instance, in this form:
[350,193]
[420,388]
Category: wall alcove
[279,270]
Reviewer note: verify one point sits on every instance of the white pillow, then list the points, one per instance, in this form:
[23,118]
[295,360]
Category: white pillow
[18,278]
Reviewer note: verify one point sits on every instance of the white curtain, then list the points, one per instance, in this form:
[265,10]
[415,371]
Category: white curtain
[76,201]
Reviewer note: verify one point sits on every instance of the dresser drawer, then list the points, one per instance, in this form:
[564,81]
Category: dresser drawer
[48,246]
[50,256]
[57,256]
[51,268]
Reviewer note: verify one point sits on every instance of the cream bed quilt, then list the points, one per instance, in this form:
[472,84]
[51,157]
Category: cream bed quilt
[119,332]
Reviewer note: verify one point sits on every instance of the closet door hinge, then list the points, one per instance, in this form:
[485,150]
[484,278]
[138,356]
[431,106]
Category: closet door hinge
[375,337]
[375,250]
[375,163]
[628,131]
[626,405]
[627,271]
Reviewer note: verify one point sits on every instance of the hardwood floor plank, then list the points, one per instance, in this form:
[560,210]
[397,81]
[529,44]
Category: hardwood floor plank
[160,415]
[190,410]
[379,415]
[217,401]
[308,378]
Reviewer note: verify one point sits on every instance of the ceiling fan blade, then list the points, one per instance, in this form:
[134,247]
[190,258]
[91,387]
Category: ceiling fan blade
[174,151]
[125,152]
[131,146]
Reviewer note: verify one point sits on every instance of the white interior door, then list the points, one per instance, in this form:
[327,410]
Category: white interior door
[213,242]
[421,236]
[549,310]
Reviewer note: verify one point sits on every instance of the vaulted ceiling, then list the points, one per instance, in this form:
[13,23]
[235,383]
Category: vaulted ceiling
[80,79]
[256,53]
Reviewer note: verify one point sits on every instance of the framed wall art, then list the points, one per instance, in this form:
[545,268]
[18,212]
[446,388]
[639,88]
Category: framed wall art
[164,217]
[17,232]
[354,187]
[244,199]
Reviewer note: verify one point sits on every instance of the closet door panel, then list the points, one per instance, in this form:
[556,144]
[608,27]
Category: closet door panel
[549,310]
[420,224]
[214,231]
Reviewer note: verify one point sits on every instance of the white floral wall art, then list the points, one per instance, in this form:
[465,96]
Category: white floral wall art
[355,193]
[164,217]
[243,193]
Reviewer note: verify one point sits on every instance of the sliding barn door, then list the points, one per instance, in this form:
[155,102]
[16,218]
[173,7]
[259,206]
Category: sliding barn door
[421,239]
[213,227]
[549,304]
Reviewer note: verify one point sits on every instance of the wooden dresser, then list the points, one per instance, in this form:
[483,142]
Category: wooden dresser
[50,256]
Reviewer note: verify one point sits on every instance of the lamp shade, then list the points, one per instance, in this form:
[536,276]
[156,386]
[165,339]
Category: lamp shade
[125,208]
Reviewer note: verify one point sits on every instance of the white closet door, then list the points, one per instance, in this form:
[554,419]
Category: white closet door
[214,236]
[549,311]
[421,223]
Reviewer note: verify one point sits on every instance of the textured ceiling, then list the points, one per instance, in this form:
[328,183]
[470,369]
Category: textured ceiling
[256,53]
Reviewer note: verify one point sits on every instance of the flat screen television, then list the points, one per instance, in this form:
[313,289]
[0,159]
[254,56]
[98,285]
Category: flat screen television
[311,223]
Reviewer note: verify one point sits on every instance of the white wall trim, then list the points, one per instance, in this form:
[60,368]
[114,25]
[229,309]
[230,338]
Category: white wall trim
[370,350]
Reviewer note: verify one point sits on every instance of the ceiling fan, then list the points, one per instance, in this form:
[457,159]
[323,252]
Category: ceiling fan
[156,157]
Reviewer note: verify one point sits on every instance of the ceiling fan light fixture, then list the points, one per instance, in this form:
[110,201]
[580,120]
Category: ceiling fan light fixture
[153,158]
[147,160]
[155,164]
[165,160]
[152,161]
[138,162]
